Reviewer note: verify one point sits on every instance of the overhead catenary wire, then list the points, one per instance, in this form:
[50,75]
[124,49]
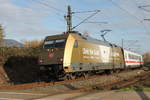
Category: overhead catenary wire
[147,10]
[51,7]
[144,26]
[92,22]
[114,3]
[86,19]
[96,22]
[142,23]
[48,5]
[61,11]
[86,11]
[144,6]
[116,25]
[82,12]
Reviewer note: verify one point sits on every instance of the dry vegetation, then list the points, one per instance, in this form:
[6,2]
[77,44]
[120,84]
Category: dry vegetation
[1,34]
[147,58]
[7,52]
[19,64]
[33,43]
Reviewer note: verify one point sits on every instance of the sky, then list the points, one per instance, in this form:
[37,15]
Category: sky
[35,19]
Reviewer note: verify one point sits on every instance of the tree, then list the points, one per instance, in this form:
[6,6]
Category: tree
[1,34]
[147,57]
[33,43]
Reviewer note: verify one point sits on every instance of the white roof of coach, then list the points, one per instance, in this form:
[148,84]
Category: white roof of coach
[131,52]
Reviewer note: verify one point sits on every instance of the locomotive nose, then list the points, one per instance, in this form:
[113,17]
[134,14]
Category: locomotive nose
[50,55]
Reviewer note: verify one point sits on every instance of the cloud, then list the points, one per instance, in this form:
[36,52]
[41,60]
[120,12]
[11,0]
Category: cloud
[121,15]
[33,20]
[22,23]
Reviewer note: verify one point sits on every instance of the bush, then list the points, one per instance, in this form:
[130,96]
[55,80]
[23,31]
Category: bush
[7,52]
[20,64]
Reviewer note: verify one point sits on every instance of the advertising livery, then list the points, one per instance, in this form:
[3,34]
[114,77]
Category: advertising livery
[73,55]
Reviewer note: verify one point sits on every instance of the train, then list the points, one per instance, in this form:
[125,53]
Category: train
[72,55]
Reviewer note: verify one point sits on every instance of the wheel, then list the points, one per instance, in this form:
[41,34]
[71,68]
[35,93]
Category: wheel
[117,70]
[111,71]
[85,75]
[72,76]
[67,77]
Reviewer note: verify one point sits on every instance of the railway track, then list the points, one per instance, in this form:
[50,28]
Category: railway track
[121,83]
[118,82]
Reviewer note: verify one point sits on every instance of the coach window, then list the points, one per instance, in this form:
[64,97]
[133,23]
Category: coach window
[76,44]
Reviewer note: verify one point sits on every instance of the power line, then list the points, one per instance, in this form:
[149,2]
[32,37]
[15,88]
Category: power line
[124,11]
[143,8]
[97,11]
[51,7]
[86,11]
[47,5]
[112,24]
[129,14]
[78,17]
[83,12]
[96,22]
[144,26]
[114,3]
[92,22]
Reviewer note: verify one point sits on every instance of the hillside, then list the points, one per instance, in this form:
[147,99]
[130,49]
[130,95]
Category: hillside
[11,42]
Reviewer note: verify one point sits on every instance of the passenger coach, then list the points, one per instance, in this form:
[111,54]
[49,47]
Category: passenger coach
[133,60]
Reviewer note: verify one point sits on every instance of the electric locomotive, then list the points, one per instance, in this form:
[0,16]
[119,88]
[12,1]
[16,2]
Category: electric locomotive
[73,55]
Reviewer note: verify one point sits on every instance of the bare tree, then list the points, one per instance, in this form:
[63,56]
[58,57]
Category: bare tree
[1,35]
[147,57]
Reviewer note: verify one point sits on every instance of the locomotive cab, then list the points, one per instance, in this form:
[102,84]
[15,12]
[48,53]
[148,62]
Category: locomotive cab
[52,53]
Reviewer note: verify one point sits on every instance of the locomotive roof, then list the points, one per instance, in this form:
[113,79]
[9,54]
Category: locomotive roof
[87,38]
[56,36]
[90,39]
[93,40]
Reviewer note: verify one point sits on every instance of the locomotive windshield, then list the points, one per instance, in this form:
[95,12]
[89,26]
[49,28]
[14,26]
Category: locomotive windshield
[57,43]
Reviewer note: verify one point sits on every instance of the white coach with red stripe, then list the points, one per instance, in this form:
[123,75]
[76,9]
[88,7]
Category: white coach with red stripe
[132,59]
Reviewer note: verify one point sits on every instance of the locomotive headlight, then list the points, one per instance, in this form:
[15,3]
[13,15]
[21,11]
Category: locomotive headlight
[61,59]
[40,60]
[52,50]
[47,49]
